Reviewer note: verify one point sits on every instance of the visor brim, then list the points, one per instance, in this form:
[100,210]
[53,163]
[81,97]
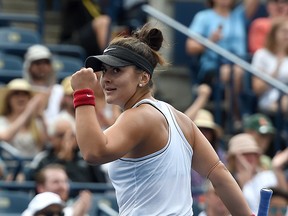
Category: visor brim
[95,62]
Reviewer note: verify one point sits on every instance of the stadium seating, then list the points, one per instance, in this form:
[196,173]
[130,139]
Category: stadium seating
[10,67]
[66,65]
[13,202]
[16,40]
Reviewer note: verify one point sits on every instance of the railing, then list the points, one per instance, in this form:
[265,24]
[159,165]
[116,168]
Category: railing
[224,53]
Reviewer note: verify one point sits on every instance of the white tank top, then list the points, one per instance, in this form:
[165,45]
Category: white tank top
[158,184]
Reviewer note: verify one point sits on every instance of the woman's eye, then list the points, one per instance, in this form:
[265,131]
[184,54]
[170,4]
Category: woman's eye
[116,70]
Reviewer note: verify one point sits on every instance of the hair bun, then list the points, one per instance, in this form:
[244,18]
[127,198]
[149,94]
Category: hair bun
[153,37]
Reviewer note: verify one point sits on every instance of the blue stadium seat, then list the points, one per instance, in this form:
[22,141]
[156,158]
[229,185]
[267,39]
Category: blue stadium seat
[68,50]
[13,202]
[16,40]
[10,62]
[10,67]
[16,35]
[66,65]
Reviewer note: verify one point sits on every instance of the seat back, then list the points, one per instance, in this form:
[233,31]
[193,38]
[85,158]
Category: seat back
[66,65]
[13,201]
[68,50]
[16,40]
[10,62]
[16,35]
[10,67]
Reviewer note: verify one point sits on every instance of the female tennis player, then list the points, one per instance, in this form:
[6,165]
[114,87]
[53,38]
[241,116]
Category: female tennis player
[152,146]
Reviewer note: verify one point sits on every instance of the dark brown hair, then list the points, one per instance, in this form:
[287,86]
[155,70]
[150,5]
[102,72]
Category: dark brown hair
[146,42]
[40,177]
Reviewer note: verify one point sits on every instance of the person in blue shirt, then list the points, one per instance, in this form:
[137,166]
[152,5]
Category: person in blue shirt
[224,23]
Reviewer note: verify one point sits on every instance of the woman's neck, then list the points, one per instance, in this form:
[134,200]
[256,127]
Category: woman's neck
[135,99]
[223,11]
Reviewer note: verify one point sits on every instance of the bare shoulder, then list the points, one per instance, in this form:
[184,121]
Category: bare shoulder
[144,118]
[186,125]
[145,129]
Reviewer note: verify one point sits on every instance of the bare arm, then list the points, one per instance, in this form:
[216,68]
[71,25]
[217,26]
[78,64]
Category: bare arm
[193,47]
[225,185]
[230,193]
[204,92]
[16,125]
[119,139]
[260,86]
[83,203]
[278,163]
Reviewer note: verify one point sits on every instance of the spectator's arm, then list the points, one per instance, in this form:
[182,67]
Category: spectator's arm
[193,47]
[16,125]
[198,26]
[204,92]
[278,163]
[83,203]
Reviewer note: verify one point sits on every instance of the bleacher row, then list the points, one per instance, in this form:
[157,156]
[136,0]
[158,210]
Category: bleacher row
[15,196]
[14,42]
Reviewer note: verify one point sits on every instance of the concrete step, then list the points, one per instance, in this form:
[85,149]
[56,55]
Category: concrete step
[51,22]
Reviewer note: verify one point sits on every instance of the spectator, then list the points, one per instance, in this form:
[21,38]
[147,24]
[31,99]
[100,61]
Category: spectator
[63,150]
[66,106]
[131,14]
[21,118]
[272,60]
[228,30]
[53,178]
[39,72]
[46,203]
[244,163]
[261,128]
[213,204]
[260,27]
[279,202]
[84,23]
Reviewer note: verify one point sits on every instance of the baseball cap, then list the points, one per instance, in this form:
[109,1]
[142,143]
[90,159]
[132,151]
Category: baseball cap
[37,52]
[260,123]
[118,56]
[242,143]
[41,201]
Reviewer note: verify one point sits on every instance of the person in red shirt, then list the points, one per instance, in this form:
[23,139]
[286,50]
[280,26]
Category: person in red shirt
[261,26]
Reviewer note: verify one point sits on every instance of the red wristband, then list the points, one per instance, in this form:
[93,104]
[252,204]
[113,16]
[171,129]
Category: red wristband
[83,97]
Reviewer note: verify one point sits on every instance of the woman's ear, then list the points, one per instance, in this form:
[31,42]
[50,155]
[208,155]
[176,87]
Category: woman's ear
[144,79]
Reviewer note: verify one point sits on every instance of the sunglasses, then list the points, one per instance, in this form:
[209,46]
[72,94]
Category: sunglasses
[273,210]
[49,213]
